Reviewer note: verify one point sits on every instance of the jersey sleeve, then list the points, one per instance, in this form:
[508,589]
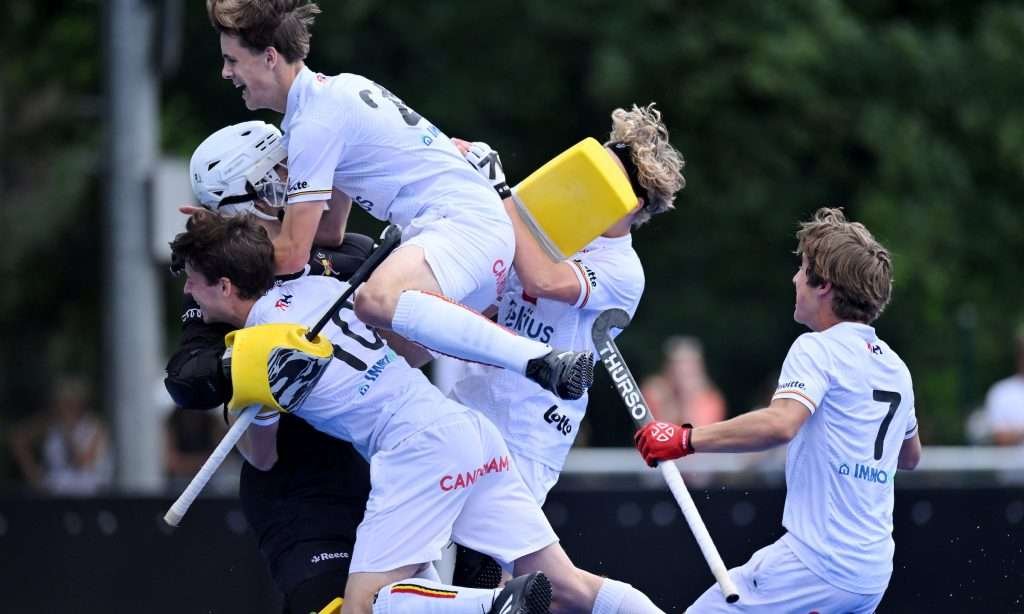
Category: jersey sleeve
[314,150]
[607,281]
[803,377]
[911,424]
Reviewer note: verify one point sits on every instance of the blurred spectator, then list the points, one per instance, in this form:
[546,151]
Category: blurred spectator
[682,392]
[66,450]
[1004,404]
[189,438]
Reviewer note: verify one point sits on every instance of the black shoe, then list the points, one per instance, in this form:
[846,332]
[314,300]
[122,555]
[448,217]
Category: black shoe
[567,374]
[529,594]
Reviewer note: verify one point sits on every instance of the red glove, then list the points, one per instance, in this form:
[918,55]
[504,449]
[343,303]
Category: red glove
[659,441]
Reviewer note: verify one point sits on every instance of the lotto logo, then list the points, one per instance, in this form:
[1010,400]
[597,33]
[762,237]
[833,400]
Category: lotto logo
[662,432]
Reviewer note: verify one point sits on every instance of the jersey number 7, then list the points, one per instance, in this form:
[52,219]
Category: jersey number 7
[893,399]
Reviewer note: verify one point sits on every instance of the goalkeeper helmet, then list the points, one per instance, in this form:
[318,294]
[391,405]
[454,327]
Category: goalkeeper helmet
[234,168]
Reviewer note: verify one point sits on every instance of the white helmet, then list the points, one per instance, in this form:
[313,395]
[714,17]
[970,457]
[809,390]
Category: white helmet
[234,167]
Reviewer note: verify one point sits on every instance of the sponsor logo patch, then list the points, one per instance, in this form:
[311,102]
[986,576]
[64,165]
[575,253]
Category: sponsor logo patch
[284,302]
[468,478]
[327,556]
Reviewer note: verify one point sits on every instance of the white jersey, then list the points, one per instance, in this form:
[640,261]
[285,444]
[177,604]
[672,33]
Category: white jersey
[369,395]
[349,133]
[841,466]
[535,423]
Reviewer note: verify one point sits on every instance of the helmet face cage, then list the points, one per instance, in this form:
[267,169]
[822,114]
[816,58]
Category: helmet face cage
[236,165]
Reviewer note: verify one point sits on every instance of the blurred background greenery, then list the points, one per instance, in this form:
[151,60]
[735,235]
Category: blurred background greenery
[907,113]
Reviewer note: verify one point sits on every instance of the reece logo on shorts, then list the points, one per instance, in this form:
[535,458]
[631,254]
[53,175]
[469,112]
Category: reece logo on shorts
[326,556]
[468,478]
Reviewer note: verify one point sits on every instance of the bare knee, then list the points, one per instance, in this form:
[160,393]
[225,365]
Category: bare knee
[375,303]
[574,592]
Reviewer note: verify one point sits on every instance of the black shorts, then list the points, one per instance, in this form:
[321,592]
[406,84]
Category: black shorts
[312,573]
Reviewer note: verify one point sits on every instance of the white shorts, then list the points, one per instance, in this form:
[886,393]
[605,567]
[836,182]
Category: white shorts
[774,580]
[469,250]
[539,478]
[454,480]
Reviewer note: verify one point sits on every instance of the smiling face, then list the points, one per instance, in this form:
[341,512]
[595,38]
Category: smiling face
[212,297]
[251,72]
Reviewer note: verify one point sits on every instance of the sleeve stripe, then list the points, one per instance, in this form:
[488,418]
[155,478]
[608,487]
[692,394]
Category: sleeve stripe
[911,432]
[581,276]
[796,395]
[307,193]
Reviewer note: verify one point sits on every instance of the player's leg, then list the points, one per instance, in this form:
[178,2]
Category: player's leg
[413,293]
[502,518]
[775,580]
[576,590]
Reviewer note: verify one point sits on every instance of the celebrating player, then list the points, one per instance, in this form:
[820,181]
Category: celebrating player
[348,133]
[557,302]
[845,405]
[305,510]
[438,469]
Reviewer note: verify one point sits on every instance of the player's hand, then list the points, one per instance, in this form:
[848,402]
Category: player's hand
[190,209]
[486,162]
[660,441]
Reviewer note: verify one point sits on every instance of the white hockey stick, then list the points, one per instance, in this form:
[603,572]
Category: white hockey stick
[629,391]
[389,240]
[179,507]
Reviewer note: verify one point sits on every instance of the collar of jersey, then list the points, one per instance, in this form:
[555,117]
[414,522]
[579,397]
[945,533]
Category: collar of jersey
[280,279]
[296,93]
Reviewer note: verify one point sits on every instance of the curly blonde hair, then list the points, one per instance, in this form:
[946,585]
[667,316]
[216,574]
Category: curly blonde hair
[281,24]
[659,165]
[846,255]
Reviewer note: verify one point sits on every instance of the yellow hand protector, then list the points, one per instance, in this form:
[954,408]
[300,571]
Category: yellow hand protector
[574,198]
[274,365]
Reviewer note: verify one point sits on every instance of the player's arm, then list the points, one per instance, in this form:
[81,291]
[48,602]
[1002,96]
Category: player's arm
[314,149]
[258,444]
[541,278]
[331,230]
[757,430]
[910,453]
[298,231]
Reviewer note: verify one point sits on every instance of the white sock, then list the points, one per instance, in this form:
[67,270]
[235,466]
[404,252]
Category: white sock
[418,596]
[443,325]
[620,598]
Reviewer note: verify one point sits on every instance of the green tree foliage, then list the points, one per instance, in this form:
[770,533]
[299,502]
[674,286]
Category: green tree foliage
[906,113]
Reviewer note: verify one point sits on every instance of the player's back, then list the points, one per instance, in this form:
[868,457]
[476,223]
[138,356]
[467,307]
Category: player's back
[368,393]
[841,465]
[389,159]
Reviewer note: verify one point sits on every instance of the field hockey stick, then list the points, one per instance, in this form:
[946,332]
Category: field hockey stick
[629,391]
[388,241]
[181,505]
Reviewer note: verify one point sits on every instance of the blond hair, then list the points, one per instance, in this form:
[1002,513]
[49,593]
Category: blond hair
[258,24]
[847,256]
[659,165]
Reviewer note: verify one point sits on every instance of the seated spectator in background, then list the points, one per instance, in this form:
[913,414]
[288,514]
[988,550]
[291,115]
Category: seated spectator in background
[682,392]
[66,450]
[1004,404]
[189,438]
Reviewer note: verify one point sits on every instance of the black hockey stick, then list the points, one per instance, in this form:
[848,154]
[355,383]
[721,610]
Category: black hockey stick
[389,240]
[625,384]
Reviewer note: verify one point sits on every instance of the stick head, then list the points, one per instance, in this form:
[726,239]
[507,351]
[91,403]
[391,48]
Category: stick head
[609,319]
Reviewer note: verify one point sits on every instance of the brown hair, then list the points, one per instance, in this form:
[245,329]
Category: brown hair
[235,247]
[659,165]
[847,256]
[258,24]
